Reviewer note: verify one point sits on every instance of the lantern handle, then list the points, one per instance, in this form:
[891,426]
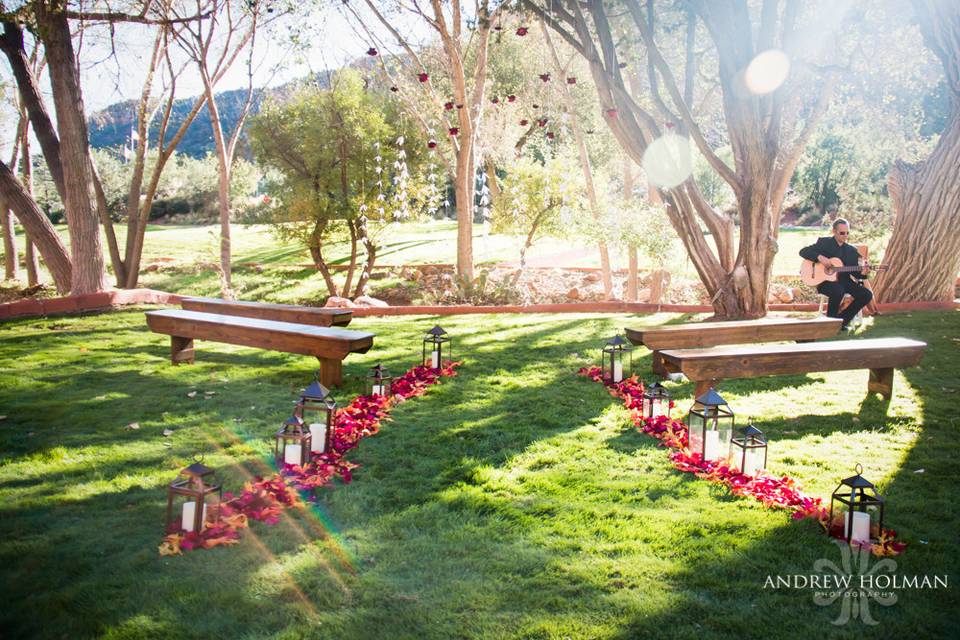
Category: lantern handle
[859,469]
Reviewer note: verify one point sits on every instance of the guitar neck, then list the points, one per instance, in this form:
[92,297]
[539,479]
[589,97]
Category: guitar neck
[878,267]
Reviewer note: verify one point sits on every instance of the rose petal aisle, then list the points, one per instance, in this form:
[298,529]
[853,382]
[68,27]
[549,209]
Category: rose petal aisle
[264,499]
[774,492]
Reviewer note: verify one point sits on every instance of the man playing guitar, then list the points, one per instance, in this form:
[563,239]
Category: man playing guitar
[836,246]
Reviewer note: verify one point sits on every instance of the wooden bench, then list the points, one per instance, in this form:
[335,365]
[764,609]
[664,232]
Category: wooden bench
[711,334]
[316,316]
[330,346]
[706,367]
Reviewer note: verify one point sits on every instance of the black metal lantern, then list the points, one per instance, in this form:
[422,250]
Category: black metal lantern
[710,426]
[864,508]
[748,450]
[433,342]
[202,497]
[318,409]
[612,366]
[656,401]
[292,442]
[379,382]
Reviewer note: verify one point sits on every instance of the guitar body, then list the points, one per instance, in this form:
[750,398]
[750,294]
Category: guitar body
[813,273]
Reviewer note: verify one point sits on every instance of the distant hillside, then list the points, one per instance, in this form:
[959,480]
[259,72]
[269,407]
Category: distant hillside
[111,126]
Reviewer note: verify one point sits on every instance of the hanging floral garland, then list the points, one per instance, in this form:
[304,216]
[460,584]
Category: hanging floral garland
[773,492]
[264,499]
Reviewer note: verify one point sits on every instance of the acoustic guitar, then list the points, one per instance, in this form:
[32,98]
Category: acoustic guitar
[813,273]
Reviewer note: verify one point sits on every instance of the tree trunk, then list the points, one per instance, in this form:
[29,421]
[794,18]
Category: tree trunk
[38,227]
[351,226]
[315,245]
[492,183]
[11,256]
[464,189]
[26,173]
[223,190]
[584,162]
[633,276]
[85,246]
[924,249]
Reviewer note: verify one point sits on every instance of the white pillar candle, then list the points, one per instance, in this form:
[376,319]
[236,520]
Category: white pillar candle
[378,389]
[291,454]
[189,511]
[617,371]
[318,438]
[711,445]
[657,409]
[751,462]
[435,359]
[861,526]
[646,407]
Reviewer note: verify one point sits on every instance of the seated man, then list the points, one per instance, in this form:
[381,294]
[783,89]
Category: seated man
[836,246]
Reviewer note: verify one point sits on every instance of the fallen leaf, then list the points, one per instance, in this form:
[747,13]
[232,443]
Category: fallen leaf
[920,471]
[168,432]
[192,394]
[133,425]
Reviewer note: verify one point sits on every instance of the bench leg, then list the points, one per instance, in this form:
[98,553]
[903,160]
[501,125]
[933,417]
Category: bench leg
[658,367]
[181,350]
[331,372]
[881,381]
[702,386]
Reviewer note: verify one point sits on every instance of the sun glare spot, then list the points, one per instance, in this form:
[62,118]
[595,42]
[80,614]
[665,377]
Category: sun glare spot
[668,161]
[767,71]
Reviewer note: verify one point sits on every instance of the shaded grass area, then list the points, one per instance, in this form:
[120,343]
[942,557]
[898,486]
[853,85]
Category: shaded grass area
[511,502]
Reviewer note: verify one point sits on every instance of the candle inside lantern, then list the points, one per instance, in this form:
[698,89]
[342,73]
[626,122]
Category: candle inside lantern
[291,454]
[751,462]
[711,445]
[657,409]
[318,438]
[189,512]
[617,371]
[378,389]
[435,359]
[861,526]
[646,407]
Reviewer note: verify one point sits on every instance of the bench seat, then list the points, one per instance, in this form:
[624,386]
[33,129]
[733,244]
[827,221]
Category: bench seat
[330,346]
[706,367]
[319,316]
[710,334]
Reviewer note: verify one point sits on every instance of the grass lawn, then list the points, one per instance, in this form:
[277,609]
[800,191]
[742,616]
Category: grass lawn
[513,501]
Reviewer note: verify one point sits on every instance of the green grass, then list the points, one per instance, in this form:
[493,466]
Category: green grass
[513,501]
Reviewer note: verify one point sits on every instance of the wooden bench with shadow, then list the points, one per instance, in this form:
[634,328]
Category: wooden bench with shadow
[711,334]
[329,345]
[707,367]
[317,316]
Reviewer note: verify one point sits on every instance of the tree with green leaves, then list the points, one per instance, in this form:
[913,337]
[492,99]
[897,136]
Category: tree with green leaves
[345,165]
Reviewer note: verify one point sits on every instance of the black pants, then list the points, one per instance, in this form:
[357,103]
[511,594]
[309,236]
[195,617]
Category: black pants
[835,292]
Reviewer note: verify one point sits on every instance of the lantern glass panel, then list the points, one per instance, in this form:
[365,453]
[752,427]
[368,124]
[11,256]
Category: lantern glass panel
[710,425]
[293,442]
[616,360]
[317,408]
[656,401]
[748,451]
[379,382]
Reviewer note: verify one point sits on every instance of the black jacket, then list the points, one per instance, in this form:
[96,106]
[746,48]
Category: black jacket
[829,248]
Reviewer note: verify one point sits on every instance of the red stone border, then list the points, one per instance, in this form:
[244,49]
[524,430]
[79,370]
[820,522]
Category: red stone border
[118,297]
[32,307]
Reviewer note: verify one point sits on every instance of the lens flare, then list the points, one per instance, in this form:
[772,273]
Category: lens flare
[766,72]
[668,161]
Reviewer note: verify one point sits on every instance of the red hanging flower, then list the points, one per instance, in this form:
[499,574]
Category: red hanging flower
[495,100]
[266,199]
[550,135]
[589,132]
[622,65]
[670,125]
[423,76]
[372,51]
[536,106]
[394,89]
[542,122]
[448,106]
[454,131]
[511,98]
[522,31]
[571,80]
[611,113]
[459,106]
[432,144]
[545,77]
[524,123]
